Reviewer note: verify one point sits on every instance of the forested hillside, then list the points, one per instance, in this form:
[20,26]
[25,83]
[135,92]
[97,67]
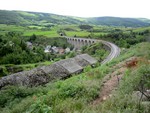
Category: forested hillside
[35,18]
[117,21]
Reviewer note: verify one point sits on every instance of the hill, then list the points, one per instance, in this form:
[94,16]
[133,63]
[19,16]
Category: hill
[117,21]
[144,20]
[34,18]
[47,19]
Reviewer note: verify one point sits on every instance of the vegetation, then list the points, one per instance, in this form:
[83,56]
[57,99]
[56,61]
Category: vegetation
[96,50]
[74,94]
[15,51]
[126,38]
[7,69]
[116,21]
[48,20]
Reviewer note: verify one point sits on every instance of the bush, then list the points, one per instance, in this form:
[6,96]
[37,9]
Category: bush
[122,101]
[85,27]
[10,93]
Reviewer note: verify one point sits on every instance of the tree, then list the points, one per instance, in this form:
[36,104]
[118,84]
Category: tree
[55,44]
[33,38]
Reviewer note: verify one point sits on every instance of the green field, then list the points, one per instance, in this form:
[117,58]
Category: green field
[41,33]
[8,28]
[70,30]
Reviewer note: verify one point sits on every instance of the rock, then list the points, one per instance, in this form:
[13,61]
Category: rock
[137,95]
[104,98]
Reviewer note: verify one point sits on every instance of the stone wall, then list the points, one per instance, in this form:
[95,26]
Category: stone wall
[44,74]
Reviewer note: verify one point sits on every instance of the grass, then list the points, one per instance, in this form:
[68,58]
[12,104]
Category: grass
[42,33]
[28,31]
[25,66]
[70,30]
[22,67]
[123,101]
[27,14]
[83,87]
[141,29]
[7,28]
[36,27]
[77,33]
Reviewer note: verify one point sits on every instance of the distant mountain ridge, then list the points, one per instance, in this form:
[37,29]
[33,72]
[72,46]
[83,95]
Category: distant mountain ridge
[37,18]
[117,21]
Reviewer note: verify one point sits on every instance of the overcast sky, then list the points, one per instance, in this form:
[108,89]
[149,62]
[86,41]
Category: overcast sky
[82,8]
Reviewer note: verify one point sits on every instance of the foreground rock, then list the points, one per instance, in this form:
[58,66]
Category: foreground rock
[145,96]
[44,74]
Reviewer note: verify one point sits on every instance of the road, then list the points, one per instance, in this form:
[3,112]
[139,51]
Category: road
[114,49]
[114,52]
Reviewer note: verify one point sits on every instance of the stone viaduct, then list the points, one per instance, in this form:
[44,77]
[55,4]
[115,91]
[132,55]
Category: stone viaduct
[79,42]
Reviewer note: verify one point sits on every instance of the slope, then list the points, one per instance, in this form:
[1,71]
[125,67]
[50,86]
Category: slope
[47,19]
[117,21]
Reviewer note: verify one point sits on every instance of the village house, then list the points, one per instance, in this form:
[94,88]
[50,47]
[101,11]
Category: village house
[67,50]
[56,50]
[29,45]
[48,49]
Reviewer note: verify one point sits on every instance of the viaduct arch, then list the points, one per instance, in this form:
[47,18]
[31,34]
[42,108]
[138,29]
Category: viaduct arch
[79,42]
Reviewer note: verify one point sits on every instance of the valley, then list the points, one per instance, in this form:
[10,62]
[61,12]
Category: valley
[46,63]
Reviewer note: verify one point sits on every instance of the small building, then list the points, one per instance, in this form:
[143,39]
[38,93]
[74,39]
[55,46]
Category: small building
[48,49]
[29,45]
[67,50]
[55,49]
[61,51]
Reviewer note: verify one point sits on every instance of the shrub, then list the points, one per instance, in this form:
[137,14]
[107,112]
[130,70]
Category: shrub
[9,93]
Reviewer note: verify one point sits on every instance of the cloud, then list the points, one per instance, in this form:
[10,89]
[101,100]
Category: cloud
[82,8]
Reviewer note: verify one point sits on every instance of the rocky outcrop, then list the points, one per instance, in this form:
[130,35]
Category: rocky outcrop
[44,74]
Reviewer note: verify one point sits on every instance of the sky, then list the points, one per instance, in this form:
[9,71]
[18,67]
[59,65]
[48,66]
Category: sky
[82,8]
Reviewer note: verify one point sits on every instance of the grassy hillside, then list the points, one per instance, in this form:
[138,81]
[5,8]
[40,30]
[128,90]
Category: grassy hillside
[144,20]
[46,19]
[116,21]
[33,18]
[77,93]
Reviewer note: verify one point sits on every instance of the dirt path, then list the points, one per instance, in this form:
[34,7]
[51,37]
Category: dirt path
[110,83]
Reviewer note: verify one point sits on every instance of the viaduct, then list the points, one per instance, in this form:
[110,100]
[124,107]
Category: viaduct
[79,42]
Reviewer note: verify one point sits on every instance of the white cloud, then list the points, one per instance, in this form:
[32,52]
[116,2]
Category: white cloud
[82,8]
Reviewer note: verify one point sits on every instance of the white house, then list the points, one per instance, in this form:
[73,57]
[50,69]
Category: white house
[29,45]
[48,49]
[67,50]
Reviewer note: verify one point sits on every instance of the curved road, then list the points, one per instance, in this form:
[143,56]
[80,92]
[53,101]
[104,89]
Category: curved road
[114,49]
[114,52]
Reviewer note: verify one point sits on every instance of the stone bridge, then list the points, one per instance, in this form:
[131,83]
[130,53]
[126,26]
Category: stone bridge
[79,42]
